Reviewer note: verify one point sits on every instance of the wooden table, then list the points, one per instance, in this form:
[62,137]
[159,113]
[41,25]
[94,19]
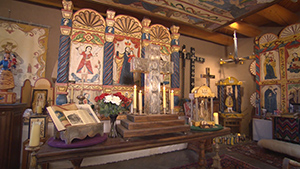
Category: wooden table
[117,145]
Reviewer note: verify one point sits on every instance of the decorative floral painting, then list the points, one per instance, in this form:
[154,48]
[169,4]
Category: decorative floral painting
[27,45]
[270,97]
[293,63]
[269,63]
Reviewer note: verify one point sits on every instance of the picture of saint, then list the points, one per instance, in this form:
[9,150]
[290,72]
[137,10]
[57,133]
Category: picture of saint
[294,65]
[85,65]
[294,93]
[270,97]
[269,66]
[123,65]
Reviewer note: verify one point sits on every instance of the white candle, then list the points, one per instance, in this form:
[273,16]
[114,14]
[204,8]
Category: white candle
[35,134]
[164,97]
[140,101]
[216,117]
[134,97]
[39,109]
[172,99]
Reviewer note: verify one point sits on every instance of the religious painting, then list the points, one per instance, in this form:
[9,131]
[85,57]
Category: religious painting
[270,98]
[293,93]
[124,51]
[26,44]
[86,54]
[293,63]
[86,63]
[43,124]
[39,98]
[127,43]
[269,65]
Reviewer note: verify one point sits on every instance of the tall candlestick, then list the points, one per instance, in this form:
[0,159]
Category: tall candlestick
[35,134]
[72,94]
[134,97]
[172,100]
[140,102]
[216,118]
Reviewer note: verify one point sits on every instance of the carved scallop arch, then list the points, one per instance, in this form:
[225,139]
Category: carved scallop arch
[159,33]
[290,30]
[128,26]
[88,19]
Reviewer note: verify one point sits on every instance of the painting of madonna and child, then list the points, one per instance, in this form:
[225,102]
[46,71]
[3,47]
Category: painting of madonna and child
[293,63]
[269,66]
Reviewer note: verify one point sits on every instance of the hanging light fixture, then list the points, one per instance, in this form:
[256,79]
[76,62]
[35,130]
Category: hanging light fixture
[234,58]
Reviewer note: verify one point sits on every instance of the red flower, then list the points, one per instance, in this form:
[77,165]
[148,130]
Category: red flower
[98,98]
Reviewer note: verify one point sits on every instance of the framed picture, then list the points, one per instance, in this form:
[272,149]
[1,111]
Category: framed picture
[39,98]
[39,118]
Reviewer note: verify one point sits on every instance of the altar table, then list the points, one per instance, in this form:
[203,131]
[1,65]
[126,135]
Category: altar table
[48,154]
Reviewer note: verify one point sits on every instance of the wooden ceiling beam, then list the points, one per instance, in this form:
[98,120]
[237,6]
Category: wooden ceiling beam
[205,35]
[244,29]
[279,14]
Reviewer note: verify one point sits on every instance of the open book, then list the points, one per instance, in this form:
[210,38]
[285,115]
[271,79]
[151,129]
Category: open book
[79,117]
[62,115]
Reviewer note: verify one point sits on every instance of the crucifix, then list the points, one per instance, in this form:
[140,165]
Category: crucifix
[234,58]
[208,76]
[191,56]
[152,66]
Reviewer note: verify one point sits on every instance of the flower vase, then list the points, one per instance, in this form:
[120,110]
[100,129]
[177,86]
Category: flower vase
[113,131]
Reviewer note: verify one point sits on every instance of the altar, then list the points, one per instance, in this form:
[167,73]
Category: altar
[48,154]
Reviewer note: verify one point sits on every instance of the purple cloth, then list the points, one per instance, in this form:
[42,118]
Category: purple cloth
[76,143]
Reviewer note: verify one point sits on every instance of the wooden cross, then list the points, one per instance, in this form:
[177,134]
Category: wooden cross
[152,66]
[208,76]
[191,56]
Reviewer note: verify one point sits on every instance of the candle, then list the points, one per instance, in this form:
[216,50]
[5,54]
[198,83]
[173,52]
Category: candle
[134,97]
[35,134]
[38,109]
[72,93]
[172,99]
[216,118]
[140,101]
[164,97]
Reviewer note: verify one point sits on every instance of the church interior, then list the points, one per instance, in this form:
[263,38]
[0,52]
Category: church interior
[174,84]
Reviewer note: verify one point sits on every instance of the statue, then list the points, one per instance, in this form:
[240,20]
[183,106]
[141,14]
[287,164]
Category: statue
[229,101]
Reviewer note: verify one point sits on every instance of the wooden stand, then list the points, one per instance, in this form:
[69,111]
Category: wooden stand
[146,125]
[234,122]
[80,132]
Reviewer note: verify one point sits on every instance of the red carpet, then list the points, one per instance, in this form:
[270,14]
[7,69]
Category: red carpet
[227,162]
[252,150]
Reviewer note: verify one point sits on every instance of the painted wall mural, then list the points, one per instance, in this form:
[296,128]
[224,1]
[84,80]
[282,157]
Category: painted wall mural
[27,45]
